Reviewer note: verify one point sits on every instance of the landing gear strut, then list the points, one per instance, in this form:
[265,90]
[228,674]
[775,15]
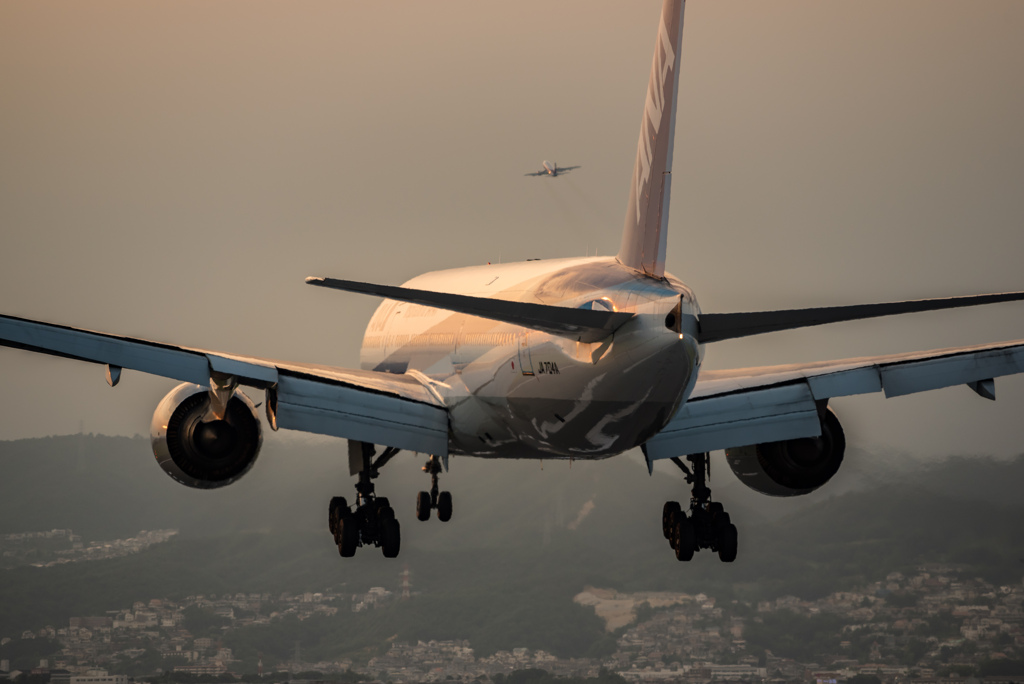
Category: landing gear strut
[434,499]
[373,520]
[707,526]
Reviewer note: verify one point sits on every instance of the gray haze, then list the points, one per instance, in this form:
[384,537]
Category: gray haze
[173,170]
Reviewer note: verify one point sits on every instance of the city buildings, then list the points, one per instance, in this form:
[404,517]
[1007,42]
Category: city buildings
[927,626]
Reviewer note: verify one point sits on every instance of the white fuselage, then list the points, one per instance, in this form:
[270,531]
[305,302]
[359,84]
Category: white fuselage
[517,393]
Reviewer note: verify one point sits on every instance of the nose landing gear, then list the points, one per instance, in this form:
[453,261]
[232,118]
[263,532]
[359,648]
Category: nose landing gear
[373,520]
[707,526]
[434,499]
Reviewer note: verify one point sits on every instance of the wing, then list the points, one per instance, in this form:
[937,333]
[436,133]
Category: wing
[538,173]
[380,408]
[567,169]
[755,405]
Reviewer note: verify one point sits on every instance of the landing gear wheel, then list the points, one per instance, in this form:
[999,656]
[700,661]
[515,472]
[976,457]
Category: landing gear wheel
[685,539]
[391,537]
[721,522]
[673,528]
[384,509]
[444,506]
[728,542]
[423,506]
[371,520]
[705,524]
[337,508]
[347,535]
[668,517]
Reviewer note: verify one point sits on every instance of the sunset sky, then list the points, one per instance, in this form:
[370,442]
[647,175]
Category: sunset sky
[173,170]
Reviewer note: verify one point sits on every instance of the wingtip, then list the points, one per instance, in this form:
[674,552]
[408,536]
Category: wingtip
[314,280]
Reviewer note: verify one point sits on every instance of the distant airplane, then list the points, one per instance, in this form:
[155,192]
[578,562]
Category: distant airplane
[551,169]
[580,358]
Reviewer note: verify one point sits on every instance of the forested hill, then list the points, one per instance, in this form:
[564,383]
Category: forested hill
[108,487]
[534,534]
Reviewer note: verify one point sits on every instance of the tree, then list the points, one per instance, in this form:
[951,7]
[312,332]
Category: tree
[864,679]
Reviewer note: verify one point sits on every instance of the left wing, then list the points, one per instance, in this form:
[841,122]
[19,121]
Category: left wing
[379,408]
[746,406]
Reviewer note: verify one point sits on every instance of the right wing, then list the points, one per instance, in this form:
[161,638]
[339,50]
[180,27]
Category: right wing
[368,406]
[746,406]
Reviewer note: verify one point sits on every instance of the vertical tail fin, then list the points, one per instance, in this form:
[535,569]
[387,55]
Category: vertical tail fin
[644,237]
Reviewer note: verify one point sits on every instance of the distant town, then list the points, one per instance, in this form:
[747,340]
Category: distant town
[932,625]
[53,547]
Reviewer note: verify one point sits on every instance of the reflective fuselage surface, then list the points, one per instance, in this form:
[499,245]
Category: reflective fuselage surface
[512,392]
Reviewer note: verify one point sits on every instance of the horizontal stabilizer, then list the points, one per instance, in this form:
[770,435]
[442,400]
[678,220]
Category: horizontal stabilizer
[586,325]
[716,327]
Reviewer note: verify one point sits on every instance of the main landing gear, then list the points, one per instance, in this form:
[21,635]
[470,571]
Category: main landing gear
[434,500]
[707,526]
[373,520]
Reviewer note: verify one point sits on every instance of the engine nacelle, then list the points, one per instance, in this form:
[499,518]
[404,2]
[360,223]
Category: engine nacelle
[792,467]
[207,454]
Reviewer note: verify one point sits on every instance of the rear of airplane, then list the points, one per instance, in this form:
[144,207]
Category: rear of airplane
[646,229]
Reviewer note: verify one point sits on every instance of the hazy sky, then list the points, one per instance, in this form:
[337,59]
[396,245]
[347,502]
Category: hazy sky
[173,170]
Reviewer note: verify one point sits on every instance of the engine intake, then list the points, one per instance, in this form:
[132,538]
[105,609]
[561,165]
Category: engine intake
[205,454]
[792,467]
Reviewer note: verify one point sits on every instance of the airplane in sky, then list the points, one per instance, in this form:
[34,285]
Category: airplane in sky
[576,358]
[551,169]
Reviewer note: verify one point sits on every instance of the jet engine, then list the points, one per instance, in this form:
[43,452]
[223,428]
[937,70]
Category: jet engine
[198,450]
[792,467]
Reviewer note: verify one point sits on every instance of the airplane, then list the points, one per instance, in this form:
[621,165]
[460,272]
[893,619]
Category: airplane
[573,358]
[551,169]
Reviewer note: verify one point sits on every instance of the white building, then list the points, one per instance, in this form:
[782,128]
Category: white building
[99,679]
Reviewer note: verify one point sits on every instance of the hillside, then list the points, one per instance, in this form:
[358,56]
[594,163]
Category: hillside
[521,543]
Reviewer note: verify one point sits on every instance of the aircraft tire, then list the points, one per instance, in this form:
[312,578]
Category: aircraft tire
[685,539]
[444,506]
[668,512]
[423,506]
[391,538]
[673,528]
[721,521]
[348,535]
[334,512]
[728,543]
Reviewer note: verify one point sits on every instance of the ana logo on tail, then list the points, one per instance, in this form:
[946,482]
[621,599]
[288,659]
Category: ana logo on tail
[654,108]
[645,232]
